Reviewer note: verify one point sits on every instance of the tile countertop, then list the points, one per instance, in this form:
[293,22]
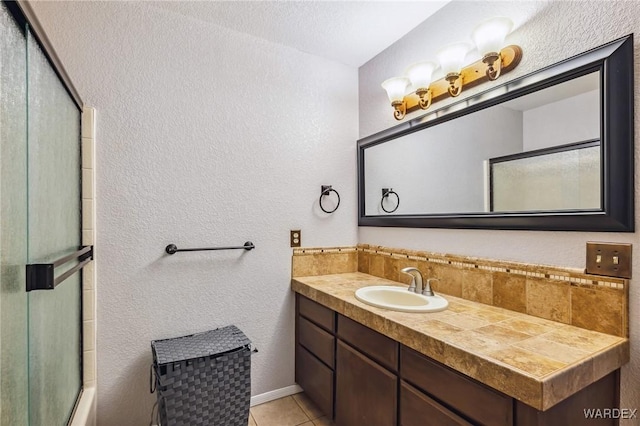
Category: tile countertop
[536,361]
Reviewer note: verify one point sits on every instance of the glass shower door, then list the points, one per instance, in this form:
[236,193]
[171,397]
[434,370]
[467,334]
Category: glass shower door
[54,173]
[40,222]
[14,408]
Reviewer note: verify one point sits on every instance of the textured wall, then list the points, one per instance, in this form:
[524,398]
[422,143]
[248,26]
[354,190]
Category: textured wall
[548,32]
[206,137]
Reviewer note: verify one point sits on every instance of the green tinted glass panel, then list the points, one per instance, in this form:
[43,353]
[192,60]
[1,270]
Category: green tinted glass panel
[54,231]
[563,180]
[13,223]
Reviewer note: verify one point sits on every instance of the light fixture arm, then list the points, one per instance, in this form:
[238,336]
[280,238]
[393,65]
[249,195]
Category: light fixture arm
[455,83]
[425,97]
[399,109]
[494,65]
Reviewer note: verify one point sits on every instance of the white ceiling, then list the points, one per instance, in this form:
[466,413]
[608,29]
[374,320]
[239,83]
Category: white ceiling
[350,32]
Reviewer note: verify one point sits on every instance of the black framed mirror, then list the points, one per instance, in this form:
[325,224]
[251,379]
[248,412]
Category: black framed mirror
[552,150]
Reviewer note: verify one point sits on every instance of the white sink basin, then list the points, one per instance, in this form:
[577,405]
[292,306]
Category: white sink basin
[400,299]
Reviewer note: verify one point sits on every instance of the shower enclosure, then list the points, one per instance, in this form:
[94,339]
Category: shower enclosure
[40,222]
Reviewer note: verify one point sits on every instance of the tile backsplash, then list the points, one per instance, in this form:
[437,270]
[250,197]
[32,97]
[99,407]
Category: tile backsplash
[323,261]
[563,295]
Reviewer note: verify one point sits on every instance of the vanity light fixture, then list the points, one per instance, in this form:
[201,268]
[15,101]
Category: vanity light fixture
[489,39]
[420,76]
[496,60]
[451,59]
[396,88]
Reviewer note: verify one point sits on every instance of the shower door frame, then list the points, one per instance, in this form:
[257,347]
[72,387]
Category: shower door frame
[23,13]
[25,18]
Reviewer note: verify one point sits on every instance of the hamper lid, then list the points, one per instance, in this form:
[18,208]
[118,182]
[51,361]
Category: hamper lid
[199,345]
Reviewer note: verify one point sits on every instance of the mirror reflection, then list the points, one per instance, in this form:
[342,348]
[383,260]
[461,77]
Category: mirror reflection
[538,152]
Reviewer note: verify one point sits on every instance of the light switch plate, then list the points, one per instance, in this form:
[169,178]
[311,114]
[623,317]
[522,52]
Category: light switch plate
[609,259]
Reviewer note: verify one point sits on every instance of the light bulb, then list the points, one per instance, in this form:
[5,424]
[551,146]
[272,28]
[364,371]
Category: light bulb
[489,35]
[451,57]
[396,88]
[420,74]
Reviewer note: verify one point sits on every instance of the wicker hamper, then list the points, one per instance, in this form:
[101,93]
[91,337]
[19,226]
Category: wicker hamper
[204,378]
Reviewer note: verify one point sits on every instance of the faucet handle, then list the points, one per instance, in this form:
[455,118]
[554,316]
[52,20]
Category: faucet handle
[427,291]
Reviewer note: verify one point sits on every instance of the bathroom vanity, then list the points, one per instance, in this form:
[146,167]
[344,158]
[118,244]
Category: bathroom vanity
[366,365]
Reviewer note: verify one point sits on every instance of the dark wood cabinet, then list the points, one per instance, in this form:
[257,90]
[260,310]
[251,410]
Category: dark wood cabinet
[477,402]
[418,409]
[376,346]
[603,394]
[359,377]
[317,341]
[316,379]
[366,393]
[315,353]
[315,312]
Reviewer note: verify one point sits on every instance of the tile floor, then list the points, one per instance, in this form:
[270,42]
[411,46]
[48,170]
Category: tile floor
[288,411]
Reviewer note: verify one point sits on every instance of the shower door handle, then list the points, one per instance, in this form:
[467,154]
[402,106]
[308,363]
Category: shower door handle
[41,276]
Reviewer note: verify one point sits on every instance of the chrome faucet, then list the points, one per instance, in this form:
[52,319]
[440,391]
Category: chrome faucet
[416,282]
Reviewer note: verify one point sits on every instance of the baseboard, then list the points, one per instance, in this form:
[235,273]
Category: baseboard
[275,394]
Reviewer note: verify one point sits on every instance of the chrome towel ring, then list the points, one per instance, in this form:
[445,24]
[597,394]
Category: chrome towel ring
[326,190]
[385,194]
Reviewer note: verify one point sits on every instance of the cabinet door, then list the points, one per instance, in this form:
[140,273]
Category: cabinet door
[417,409]
[366,393]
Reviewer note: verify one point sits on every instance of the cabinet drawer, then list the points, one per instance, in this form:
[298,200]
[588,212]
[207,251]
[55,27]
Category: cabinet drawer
[472,399]
[317,341]
[373,344]
[417,409]
[324,317]
[316,379]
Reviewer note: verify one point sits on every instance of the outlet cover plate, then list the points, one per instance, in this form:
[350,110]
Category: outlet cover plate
[295,238]
[609,259]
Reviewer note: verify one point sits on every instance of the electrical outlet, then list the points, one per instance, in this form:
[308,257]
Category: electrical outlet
[295,237]
[610,259]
